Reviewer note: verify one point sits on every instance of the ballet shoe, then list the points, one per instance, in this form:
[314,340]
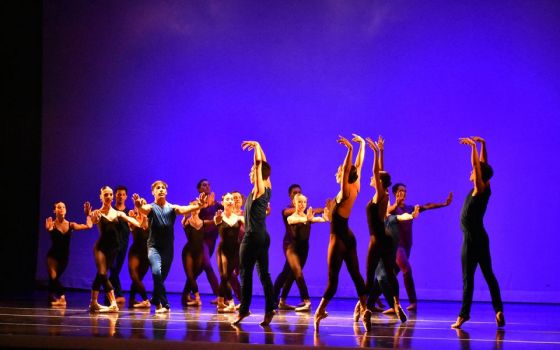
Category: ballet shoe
[282,305]
[319,315]
[239,318]
[267,319]
[500,319]
[366,320]
[306,307]
[357,311]
[460,321]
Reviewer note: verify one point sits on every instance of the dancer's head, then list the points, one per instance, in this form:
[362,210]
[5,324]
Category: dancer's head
[59,209]
[159,189]
[106,195]
[486,172]
[300,202]
[265,172]
[121,194]
[238,199]
[399,188]
[228,201]
[203,186]
[293,190]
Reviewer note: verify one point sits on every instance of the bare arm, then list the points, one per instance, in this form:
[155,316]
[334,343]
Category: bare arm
[185,209]
[141,204]
[376,167]
[361,153]
[429,206]
[132,221]
[259,157]
[483,154]
[479,185]
[346,166]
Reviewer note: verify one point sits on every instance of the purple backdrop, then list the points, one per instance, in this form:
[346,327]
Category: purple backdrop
[135,91]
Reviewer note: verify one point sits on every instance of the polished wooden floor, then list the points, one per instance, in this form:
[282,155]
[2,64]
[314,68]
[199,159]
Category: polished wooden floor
[28,322]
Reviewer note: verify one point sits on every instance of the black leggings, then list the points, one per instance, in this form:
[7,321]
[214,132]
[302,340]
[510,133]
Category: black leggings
[296,257]
[343,249]
[103,259]
[254,251]
[56,266]
[473,254]
[138,265]
[381,248]
[193,262]
[228,261]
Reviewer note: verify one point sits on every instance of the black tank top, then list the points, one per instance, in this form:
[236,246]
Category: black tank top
[60,247]
[472,214]
[375,223]
[195,238]
[229,236]
[108,234]
[255,212]
[300,232]
[339,224]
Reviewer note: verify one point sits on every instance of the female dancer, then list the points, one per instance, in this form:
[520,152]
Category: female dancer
[476,246]
[298,248]
[342,244]
[60,231]
[193,255]
[381,246]
[229,225]
[107,220]
[138,262]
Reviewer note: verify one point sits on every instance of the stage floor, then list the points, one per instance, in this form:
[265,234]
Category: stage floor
[27,322]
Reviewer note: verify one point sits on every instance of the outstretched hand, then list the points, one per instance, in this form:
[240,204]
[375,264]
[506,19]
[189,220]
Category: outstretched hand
[357,138]
[449,198]
[249,145]
[344,141]
[416,211]
[87,208]
[380,143]
[466,141]
[372,144]
[478,139]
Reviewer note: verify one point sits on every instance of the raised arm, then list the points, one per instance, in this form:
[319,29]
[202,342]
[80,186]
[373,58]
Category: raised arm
[479,185]
[185,209]
[259,157]
[361,152]
[376,165]
[346,166]
[483,154]
[132,221]
[89,223]
[381,145]
[429,206]
[141,205]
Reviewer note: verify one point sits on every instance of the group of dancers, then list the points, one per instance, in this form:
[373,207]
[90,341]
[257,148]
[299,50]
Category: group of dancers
[245,241]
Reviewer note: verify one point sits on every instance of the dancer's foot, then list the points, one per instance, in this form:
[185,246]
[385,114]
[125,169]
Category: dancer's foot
[194,302]
[282,305]
[306,307]
[366,320]
[357,311]
[459,322]
[389,311]
[319,315]
[500,319]
[162,309]
[120,300]
[267,318]
[145,304]
[110,309]
[240,318]
[412,307]
[400,312]
[95,307]
[213,301]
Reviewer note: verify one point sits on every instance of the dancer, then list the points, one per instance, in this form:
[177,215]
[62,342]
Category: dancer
[161,216]
[193,255]
[404,241]
[210,233]
[229,226]
[60,230]
[297,251]
[105,249]
[138,262]
[285,279]
[342,244]
[121,194]
[381,246]
[256,241]
[476,246]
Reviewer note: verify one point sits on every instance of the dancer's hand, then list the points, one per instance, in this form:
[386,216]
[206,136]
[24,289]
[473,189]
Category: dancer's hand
[49,224]
[309,214]
[478,139]
[249,145]
[380,143]
[399,198]
[466,141]
[372,144]
[218,217]
[358,139]
[449,198]
[87,208]
[344,141]
[416,211]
